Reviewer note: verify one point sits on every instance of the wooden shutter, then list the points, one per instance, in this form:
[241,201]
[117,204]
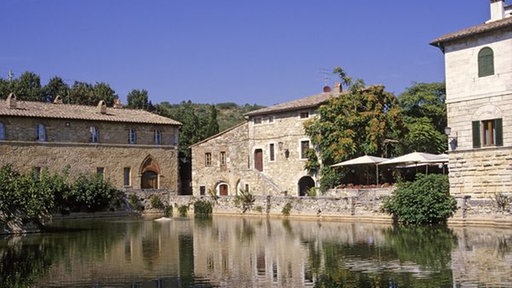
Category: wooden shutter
[476,134]
[485,62]
[499,131]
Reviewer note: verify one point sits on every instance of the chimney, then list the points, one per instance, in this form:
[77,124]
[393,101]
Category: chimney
[102,107]
[118,104]
[497,10]
[57,100]
[11,101]
[327,89]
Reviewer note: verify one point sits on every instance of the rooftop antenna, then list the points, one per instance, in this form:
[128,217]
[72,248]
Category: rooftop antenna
[10,75]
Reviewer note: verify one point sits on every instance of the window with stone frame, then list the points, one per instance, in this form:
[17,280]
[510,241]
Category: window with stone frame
[304,147]
[2,131]
[100,171]
[257,120]
[207,159]
[94,134]
[487,133]
[36,173]
[485,62]
[132,136]
[40,133]
[157,137]
[202,190]
[304,115]
[127,176]
[271,152]
[223,158]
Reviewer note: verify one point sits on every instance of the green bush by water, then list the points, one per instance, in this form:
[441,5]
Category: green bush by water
[424,201]
[203,209]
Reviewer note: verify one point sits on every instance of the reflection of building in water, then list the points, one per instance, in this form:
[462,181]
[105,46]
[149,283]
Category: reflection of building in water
[263,252]
[484,255]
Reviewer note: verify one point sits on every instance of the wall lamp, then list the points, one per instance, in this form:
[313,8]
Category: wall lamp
[452,140]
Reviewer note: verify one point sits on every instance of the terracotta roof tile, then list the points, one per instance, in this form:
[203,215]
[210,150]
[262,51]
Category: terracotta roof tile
[302,103]
[502,24]
[82,112]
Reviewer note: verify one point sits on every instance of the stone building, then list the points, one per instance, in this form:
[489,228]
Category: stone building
[265,154]
[134,149]
[478,65]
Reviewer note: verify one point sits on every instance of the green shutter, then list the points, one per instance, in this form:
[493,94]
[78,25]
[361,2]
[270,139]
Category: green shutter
[499,131]
[485,62]
[476,134]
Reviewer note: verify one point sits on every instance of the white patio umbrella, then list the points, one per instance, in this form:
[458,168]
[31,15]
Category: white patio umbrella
[417,159]
[364,160]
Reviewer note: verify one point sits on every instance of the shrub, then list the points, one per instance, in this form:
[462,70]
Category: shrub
[168,211]
[245,199]
[258,209]
[156,202]
[502,201]
[183,210]
[424,201]
[203,209]
[135,202]
[287,209]
[90,193]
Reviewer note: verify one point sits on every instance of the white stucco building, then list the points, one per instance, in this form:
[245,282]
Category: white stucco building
[478,66]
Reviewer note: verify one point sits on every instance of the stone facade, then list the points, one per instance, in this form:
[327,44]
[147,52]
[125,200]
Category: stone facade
[36,136]
[265,154]
[478,64]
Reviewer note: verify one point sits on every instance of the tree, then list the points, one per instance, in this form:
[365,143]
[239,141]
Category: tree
[56,87]
[103,91]
[353,124]
[212,127]
[424,107]
[28,87]
[138,99]
[87,94]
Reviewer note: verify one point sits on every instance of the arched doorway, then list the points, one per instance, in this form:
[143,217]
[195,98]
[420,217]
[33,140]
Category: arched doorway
[305,183]
[149,171]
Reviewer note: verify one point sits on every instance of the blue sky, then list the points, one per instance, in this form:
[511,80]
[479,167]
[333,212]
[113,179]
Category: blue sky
[257,52]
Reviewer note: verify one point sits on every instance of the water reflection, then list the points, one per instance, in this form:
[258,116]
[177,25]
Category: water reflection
[255,252]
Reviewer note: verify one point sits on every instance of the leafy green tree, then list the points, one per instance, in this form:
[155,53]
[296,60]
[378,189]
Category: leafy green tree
[23,198]
[28,87]
[56,87]
[6,87]
[424,107]
[91,193]
[425,100]
[212,126]
[353,124]
[425,201]
[138,99]
[87,94]
[103,91]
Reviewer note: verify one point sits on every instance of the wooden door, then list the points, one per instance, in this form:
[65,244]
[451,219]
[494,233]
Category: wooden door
[258,159]
[223,190]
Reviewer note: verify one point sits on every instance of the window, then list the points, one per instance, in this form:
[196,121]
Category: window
[132,136]
[271,151]
[126,176]
[485,62]
[94,135]
[174,138]
[270,119]
[36,173]
[488,133]
[158,137]
[222,158]
[208,159]
[202,190]
[100,171]
[2,131]
[257,120]
[304,147]
[41,132]
[304,115]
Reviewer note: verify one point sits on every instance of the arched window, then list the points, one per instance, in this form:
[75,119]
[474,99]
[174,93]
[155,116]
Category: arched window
[2,131]
[41,132]
[94,134]
[485,62]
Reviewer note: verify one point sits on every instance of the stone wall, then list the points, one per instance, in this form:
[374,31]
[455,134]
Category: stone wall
[87,158]
[348,204]
[481,173]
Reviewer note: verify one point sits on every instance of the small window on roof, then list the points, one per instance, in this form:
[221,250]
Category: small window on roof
[304,114]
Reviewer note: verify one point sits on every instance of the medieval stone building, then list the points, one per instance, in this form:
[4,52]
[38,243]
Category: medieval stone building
[478,64]
[265,155]
[132,148]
